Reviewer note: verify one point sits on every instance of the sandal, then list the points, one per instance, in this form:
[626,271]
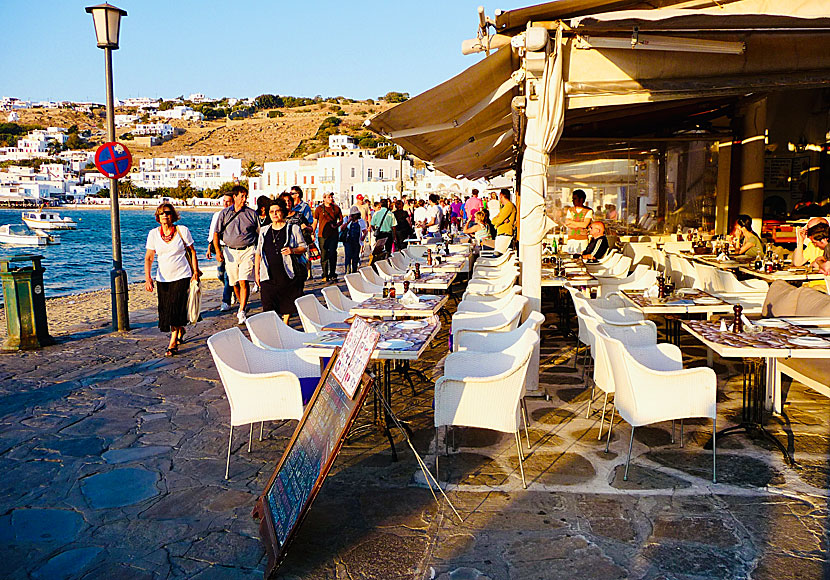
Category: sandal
[172,351]
[180,340]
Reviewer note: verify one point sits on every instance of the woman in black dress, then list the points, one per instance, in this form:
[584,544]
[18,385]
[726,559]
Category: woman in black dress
[403,227]
[277,263]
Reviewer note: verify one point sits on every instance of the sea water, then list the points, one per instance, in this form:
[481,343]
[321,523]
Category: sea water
[83,259]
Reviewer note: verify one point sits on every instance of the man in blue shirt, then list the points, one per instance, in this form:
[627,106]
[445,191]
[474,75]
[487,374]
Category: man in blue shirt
[299,205]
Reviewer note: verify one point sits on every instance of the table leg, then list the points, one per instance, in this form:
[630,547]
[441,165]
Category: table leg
[752,416]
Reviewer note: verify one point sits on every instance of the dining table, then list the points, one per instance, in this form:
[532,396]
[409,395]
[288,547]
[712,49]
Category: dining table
[761,345]
[379,307]
[793,275]
[436,281]
[401,341]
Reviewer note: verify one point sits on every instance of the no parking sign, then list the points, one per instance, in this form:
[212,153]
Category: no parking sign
[113,159]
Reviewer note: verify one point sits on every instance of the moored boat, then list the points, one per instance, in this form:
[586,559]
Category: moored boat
[15,235]
[47,220]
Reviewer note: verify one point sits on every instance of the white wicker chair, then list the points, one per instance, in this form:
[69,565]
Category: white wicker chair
[484,307]
[707,277]
[387,270]
[360,289]
[687,272]
[400,261]
[371,276]
[314,316]
[337,301]
[493,285]
[496,261]
[261,385]
[500,321]
[618,270]
[268,331]
[484,390]
[645,394]
[641,278]
[729,283]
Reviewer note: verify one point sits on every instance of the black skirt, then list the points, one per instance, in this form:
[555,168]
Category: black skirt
[173,303]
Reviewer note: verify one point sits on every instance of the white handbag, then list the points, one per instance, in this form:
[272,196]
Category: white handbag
[194,302]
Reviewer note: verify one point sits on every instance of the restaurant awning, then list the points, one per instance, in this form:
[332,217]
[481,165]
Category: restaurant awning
[464,125]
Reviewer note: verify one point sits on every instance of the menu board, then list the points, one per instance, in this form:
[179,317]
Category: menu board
[355,354]
[311,451]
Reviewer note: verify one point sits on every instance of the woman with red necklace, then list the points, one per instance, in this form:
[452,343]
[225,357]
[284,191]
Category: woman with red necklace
[177,266]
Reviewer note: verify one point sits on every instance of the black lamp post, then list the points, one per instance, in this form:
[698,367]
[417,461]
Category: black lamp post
[107,20]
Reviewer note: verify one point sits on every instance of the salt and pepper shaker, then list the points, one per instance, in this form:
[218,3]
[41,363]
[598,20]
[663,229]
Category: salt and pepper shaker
[429,256]
[417,271]
[405,286]
[392,293]
[661,287]
[738,323]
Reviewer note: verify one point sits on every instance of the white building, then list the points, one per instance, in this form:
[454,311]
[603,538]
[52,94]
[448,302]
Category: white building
[180,112]
[202,171]
[140,102]
[13,117]
[124,120]
[420,185]
[336,171]
[342,142]
[154,129]
[35,144]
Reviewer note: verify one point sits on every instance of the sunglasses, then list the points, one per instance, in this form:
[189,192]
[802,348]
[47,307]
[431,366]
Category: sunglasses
[167,212]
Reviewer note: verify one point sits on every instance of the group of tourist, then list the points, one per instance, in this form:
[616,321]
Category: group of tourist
[271,247]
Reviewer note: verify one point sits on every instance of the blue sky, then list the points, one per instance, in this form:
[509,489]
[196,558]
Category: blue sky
[358,49]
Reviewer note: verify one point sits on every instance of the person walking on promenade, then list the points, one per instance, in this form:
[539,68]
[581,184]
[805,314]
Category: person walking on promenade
[277,265]
[302,209]
[383,225]
[327,220]
[238,227]
[473,205]
[295,218]
[505,222]
[352,234]
[403,227]
[433,217]
[177,266]
[263,202]
[227,291]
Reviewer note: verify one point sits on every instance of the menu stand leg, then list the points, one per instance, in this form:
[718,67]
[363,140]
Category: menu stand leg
[752,415]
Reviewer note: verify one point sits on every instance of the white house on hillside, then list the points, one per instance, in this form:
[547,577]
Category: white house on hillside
[202,171]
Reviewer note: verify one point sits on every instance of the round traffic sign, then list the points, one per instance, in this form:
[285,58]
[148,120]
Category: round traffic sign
[113,159]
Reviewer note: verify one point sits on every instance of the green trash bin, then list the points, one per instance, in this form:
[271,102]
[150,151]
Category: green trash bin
[25,302]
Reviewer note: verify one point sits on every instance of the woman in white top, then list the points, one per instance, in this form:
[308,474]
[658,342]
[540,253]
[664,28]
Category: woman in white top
[482,228]
[174,247]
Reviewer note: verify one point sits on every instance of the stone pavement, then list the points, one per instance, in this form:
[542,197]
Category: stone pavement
[113,463]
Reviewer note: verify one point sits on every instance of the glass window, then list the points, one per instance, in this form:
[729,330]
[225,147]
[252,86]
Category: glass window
[352,171]
[369,174]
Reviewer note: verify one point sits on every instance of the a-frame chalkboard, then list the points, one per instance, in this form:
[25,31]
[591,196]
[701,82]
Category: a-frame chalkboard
[306,462]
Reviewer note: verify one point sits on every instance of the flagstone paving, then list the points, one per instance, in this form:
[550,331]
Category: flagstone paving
[113,463]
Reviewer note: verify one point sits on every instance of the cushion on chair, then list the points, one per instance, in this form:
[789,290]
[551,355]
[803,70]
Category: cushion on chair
[811,302]
[781,300]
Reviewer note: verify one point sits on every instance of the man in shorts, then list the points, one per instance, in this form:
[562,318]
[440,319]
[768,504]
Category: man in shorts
[238,229]
[227,291]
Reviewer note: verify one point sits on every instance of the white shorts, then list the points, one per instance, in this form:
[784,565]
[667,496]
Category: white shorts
[239,264]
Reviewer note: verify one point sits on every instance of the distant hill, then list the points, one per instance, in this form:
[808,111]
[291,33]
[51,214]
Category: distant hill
[258,138]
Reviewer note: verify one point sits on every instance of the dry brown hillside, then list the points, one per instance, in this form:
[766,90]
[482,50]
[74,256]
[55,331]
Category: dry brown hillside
[257,139]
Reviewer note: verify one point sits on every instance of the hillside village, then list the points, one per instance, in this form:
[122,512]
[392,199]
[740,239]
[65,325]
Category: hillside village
[191,149]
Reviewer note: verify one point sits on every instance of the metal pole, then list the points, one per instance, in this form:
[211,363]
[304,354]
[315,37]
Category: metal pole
[118,277]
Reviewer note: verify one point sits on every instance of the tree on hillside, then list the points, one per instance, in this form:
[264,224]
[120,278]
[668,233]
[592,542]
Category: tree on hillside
[75,141]
[268,102]
[395,97]
[252,170]
[53,147]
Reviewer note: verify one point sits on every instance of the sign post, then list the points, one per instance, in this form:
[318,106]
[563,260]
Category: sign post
[114,160]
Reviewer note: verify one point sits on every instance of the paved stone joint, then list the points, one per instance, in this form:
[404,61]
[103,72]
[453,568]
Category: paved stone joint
[113,463]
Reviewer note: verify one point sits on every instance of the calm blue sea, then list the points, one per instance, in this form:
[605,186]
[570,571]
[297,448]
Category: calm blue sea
[83,259]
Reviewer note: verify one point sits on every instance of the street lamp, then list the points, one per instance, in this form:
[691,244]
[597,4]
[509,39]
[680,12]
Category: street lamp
[107,20]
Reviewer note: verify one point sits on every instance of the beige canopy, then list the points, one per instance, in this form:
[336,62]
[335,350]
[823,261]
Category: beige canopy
[466,127]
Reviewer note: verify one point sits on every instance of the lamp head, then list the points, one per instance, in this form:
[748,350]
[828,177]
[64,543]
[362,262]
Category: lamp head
[107,20]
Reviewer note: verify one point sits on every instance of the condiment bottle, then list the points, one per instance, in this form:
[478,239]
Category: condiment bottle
[392,292]
[738,323]
[429,256]
[417,271]
[406,286]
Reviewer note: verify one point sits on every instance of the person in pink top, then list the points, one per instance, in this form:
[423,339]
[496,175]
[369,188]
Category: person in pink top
[473,205]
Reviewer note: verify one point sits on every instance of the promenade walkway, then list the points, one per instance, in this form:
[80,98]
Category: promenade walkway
[113,461]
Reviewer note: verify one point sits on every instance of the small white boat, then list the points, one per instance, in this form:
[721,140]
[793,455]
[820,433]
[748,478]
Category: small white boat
[48,220]
[20,235]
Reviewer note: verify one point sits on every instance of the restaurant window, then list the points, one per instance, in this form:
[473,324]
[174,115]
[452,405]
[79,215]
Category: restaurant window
[643,188]
[352,171]
[380,173]
[369,174]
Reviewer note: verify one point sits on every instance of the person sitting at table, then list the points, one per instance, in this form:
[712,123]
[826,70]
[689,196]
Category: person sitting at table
[598,246]
[751,245]
[482,228]
[820,235]
[805,250]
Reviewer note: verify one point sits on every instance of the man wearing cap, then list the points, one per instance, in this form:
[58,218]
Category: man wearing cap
[238,228]
[363,206]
